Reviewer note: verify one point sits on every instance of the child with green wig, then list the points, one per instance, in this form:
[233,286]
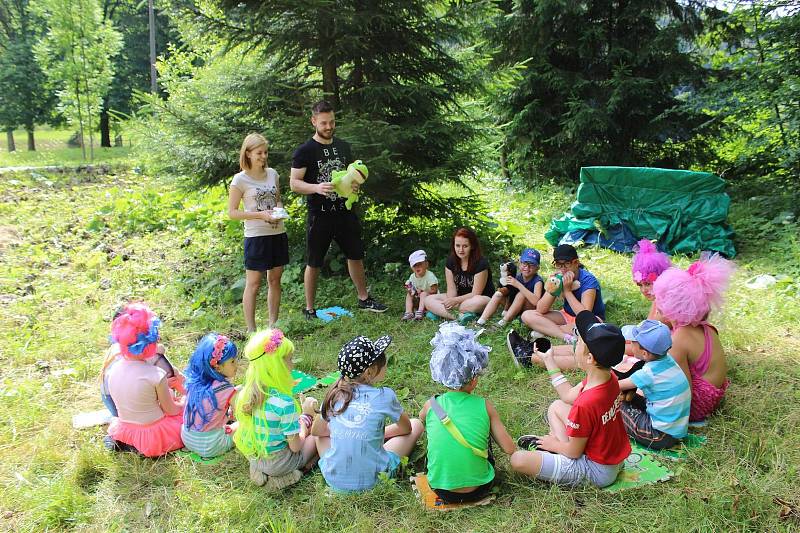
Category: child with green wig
[273,427]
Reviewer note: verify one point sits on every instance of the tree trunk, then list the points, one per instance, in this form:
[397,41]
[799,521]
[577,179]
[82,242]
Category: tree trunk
[105,133]
[31,140]
[327,48]
[10,139]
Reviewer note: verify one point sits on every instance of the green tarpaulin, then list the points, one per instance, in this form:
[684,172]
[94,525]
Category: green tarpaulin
[683,211]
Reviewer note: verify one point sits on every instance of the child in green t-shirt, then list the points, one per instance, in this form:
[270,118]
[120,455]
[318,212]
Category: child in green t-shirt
[460,461]
[419,285]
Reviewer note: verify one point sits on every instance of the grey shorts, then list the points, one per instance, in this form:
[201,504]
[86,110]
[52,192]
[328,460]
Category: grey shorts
[562,470]
[279,463]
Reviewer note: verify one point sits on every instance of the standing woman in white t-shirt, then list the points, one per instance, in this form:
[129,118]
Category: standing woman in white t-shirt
[266,247]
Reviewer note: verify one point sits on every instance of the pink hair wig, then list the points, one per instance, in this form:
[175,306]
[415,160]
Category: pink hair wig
[136,331]
[686,297]
[648,263]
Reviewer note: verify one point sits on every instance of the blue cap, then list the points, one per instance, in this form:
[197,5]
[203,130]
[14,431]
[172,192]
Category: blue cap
[651,335]
[529,255]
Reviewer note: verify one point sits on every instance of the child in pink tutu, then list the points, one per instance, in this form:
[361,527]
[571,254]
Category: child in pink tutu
[175,379]
[685,298]
[149,419]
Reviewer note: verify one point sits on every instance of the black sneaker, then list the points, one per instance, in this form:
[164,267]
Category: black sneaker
[371,304]
[528,442]
[310,314]
[521,349]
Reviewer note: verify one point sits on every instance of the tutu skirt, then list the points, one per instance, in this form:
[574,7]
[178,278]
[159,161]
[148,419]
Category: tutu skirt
[152,440]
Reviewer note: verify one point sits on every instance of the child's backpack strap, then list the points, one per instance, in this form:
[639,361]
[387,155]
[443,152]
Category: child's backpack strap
[453,430]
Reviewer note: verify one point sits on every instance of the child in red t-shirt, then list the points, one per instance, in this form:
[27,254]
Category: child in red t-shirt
[587,439]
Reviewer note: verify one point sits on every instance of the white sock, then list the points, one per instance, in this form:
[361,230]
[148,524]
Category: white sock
[501,323]
[480,322]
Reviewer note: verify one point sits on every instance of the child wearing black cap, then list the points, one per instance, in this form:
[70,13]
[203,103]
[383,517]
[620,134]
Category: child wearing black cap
[587,437]
[543,320]
[353,442]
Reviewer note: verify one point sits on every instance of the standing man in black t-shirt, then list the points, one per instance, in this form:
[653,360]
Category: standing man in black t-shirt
[328,218]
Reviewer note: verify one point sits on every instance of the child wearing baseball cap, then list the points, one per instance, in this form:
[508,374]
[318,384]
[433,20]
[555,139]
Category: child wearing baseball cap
[664,420]
[353,441]
[519,293]
[543,320]
[587,438]
[460,423]
[421,283]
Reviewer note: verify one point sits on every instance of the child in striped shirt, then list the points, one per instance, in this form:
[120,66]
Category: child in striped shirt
[273,429]
[661,418]
[205,429]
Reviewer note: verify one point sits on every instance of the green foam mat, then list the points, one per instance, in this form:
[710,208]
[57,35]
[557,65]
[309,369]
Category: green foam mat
[677,452]
[329,379]
[197,459]
[638,470]
[302,381]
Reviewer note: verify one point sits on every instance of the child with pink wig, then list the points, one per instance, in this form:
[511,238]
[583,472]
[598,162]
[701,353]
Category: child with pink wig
[647,265]
[149,419]
[684,299]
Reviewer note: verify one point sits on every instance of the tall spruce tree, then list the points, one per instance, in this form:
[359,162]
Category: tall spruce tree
[604,84]
[389,66]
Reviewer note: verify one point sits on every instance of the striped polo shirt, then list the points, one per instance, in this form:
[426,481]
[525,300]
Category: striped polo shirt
[280,418]
[668,395]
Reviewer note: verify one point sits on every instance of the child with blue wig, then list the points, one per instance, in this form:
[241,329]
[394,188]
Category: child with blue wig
[210,394]
[461,424]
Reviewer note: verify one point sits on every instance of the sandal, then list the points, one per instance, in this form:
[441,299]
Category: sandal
[419,315]
[408,316]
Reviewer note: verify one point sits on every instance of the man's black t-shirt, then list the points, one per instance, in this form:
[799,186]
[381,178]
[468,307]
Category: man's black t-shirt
[320,160]
[464,280]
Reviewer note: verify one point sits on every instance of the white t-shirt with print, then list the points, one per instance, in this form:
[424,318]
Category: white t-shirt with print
[259,195]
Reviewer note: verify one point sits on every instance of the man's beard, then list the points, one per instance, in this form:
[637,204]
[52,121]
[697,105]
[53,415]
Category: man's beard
[323,135]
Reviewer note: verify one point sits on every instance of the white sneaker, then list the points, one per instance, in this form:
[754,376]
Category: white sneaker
[536,335]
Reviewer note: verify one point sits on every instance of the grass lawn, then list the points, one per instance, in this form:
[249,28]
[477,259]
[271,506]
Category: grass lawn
[72,249]
[52,150]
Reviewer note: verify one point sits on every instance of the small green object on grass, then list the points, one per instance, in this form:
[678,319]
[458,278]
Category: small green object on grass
[329,379]
[198,459]
[302,381]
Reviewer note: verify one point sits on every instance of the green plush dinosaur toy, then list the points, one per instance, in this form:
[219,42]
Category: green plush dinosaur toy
[343,181]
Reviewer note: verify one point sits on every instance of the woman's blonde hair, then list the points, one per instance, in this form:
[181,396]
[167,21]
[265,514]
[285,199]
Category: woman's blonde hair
[250,143]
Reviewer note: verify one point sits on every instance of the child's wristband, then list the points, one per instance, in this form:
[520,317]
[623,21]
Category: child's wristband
[553,372]
[556,381]
[306,420]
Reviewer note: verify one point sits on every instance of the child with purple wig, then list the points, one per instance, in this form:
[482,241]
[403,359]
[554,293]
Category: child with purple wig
[647,265]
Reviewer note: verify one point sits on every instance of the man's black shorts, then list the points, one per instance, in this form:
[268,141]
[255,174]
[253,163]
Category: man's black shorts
[341,226]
